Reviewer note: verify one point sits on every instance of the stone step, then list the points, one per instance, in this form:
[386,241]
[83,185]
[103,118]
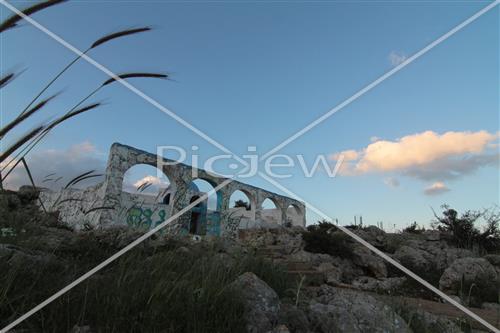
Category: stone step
[311,277]
[294,265]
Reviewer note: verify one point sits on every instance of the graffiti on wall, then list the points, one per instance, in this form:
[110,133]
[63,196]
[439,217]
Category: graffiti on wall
[139,217]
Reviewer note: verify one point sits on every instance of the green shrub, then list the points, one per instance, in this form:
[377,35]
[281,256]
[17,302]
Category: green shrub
[414,228]
[325,237]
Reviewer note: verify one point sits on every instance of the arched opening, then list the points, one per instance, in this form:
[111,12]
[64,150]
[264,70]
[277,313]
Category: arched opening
[270,211]
[197,211]
[294,215]
[241,205]
[145,181]
[205,216]
[166,199]
[142,198]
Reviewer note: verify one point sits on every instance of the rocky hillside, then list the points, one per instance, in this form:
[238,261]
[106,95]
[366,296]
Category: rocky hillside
[272,280]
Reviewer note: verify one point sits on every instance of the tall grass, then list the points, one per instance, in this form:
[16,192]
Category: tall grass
[169,290]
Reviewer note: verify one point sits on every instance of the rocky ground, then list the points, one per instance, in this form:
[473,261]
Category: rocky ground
[279,286]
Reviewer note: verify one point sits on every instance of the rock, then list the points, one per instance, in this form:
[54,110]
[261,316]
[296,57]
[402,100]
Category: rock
[332,274]
[281,329]
[467,271]
[491,306]
[369,261]
[494,259]
[26,259]
[423,321]
[421,255]
[261,303]
[294,318]
[413,258]
[341,310]
[432,235]
[385,285]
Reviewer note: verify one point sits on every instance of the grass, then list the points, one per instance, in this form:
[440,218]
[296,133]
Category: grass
[171,287]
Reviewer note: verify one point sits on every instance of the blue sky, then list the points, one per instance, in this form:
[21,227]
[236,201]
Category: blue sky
[254,73]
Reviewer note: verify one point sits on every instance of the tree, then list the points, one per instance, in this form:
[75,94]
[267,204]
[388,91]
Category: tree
[463,228]
[242,204]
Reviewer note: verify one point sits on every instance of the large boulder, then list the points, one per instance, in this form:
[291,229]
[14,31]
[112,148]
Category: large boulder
[370,262]
[424,255]
[476,275]
[262,304]
[341,310]
[294,318]
[412,257]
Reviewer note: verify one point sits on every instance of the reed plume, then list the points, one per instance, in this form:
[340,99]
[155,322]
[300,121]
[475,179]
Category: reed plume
[11,22]
[118,34]
[135,75]
[25,138]
[23,117]
[6,79]
[72,112]
[98,42]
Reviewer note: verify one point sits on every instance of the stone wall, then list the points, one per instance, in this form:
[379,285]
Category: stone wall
[105,204]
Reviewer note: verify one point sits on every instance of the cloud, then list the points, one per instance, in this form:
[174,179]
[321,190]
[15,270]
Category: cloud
[392,182]
[396,58]
[427,156]
[436,188]
[53,168]
[157,184]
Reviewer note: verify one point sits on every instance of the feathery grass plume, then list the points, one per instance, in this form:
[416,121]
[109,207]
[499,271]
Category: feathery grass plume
[86,177]
[56,122]
[11,22]
[78,177]
[118,34]
[71,115]
[98,42]
[5,80]
[49,175]
[20,142]
[135,75]
[97,208]
[24,116]
[68,199]
[143,186]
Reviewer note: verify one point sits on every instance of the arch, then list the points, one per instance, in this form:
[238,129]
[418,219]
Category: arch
[166,199]
[205,216]
[270,211]
[294,214]
[145,182]
[242,204]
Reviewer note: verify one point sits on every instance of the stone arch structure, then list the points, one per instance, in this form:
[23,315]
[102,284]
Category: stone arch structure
[122,157]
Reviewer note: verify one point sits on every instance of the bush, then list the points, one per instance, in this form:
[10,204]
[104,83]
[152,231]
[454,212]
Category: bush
[463,230]
[414,228]
[325,237]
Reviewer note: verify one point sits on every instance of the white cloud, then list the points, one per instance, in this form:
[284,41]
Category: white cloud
[396,58]
[427,156]
[64,165]
[436,188]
